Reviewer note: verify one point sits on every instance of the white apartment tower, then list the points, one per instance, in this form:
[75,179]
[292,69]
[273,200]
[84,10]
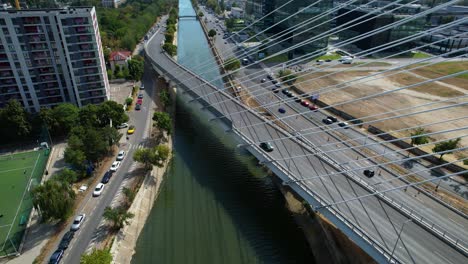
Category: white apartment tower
[51,56]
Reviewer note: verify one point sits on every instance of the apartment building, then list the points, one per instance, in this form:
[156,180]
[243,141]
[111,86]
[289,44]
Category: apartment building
[112,3]
[51,56]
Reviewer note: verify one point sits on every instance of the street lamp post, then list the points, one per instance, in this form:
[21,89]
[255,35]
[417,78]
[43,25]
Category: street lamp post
[398,238]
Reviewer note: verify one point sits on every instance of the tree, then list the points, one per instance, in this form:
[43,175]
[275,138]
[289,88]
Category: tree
[145,156]
[171,49]
[111,110]
[161,155]
[88,115]
[200,14]
[128,101]
[54,199]
[212,33]
[169,37]
[419,136]
[129,195]
[163,121]
[232,64]
[118,216]
[75,157]
[164,97]
[66,175]
[135,69]
[449,146]
[97,256]
[61,119]
[287,76]
[15,119]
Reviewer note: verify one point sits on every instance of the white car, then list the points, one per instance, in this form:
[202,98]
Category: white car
[142,87]
[77,222]
[123,125]
[98,189]
[115,166]
[121,155]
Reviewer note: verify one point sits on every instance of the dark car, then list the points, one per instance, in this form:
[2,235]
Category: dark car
[140,96]
[332,118]
[327,60]
[56,257]
[297,99]
[266,146]
[276,90]
[369,173]
[138,107]
[285,91]
[282,110]
[66,239]
[107,177]
[274,81]
[327,121]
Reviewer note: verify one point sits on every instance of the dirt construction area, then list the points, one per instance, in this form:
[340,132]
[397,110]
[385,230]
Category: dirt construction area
[338,87]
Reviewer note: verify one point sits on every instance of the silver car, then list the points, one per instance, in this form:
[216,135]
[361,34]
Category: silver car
[77,222]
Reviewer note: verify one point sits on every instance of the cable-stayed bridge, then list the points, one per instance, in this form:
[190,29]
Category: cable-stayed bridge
[375,223]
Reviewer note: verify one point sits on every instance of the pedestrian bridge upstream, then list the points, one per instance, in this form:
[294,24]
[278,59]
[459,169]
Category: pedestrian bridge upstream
[379,224]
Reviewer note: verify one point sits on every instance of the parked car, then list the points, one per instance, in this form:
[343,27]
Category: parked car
[121,155]
[369,173]
[297,99]
[140,96]
[138,107]
[140,101]
[327,121]
[281,110]
[278,85]
[332,118]
[270,76]
[313,107]
[115,165]
[66,239]
[123,125]
[131,130]
[328,60]
[98,190]
[267,146]
[343,124]
[56,256]
[78,222]
[263,80]
[276,90]
[142,87]
[107,176]
[274,81]
[305,103]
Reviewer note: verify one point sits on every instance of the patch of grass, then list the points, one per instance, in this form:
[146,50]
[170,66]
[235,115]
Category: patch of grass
[420,55]
[374,64]
[428,88]
[279,58]
[331,56]
[17,173]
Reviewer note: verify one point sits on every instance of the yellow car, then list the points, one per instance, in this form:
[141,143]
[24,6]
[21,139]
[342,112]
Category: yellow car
[131,130]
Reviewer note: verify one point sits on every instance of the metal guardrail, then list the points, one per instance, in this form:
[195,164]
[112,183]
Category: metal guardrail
[457,243]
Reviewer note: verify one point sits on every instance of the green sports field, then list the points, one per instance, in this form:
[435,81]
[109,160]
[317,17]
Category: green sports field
[18,173]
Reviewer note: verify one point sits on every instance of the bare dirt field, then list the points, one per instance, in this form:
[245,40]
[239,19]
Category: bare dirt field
[449,90]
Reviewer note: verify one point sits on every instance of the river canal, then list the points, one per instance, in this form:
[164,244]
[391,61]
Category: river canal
[215,206]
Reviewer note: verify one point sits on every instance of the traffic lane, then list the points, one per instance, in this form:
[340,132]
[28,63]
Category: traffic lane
[95,215]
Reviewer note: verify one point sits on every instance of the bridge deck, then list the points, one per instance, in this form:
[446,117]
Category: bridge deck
[372,215]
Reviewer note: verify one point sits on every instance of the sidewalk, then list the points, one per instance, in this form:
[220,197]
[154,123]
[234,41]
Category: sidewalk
[124,244]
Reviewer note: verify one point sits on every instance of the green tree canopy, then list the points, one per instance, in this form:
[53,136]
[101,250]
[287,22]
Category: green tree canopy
[165,98]
[145,156]
[232,64]
[15,119]
[212,33]
[97,256]
[419,136]
[66,175]
[135,69]
[171,49]
[54,199]
[449,146]
[119,216]
[163,121]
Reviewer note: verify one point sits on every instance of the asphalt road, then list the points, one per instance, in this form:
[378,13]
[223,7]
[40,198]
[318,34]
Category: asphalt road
[379,220]
[94,207]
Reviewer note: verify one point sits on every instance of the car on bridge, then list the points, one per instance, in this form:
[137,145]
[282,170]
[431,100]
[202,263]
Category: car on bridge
[267,146]
[369,173]
[327,121]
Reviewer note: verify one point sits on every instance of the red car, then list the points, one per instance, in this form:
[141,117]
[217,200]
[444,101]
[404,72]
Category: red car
[313,107]
[139,101]
[305,103]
